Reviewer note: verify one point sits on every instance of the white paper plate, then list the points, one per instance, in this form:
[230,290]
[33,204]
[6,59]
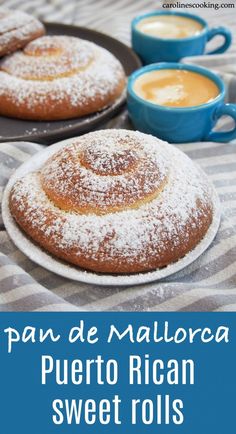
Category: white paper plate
[42,258]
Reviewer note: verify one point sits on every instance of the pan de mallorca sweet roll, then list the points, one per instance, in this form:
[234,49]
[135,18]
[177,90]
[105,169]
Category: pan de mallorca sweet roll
[115,201]
[59,77]
[17,29]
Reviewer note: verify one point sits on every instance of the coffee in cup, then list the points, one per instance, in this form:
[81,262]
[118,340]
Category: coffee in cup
[169,36]
[176,88]
[170,26]
[182,105]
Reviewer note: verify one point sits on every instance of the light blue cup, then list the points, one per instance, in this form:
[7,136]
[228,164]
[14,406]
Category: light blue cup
[152,49]
[179,125]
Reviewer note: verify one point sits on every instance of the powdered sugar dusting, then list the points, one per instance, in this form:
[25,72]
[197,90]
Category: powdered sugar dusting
[105,171]
[77,72]
[61,55]
[11,20]
[17,28]
[165,221]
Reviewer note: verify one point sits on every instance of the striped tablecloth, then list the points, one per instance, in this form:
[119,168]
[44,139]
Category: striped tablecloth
[210,282]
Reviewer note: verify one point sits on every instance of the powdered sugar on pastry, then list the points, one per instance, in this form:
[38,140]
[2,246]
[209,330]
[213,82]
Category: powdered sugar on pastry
[17,29]
[160,230]
[58,77]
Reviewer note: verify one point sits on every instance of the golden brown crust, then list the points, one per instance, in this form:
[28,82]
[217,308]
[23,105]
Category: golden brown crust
[157,232]
[104,262]
[17,29]
[59,77]
[100,178]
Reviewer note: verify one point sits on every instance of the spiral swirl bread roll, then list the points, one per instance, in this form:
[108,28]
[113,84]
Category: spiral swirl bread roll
[115,201]
[17,29]
[59,77]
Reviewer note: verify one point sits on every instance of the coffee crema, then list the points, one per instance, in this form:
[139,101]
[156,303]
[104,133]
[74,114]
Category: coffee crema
[176,88]
[170,26]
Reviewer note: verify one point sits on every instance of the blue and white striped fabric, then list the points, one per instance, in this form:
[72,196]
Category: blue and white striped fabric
[209,284]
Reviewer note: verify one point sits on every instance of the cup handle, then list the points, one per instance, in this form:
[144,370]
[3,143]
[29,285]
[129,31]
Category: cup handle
[223,31]
[223,136]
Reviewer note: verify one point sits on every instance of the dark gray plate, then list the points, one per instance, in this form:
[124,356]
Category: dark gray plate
[49,132]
